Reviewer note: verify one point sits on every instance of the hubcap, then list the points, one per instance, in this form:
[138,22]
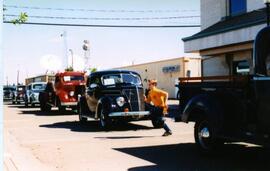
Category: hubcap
[102,119]
[205,133]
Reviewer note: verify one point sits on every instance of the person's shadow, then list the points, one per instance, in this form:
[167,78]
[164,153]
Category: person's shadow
[93,126]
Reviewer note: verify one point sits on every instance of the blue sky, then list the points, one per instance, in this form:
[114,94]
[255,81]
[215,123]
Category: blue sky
[25,45]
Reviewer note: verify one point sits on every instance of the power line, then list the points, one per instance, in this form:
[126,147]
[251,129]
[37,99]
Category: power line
[97,10]
[112,26]
[106,18]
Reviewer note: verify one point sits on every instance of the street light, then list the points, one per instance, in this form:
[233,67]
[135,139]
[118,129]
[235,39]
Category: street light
[71,52]
[267,3]
[86,48]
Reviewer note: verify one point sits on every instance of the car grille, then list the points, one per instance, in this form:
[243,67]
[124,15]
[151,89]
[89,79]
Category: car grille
[136,98]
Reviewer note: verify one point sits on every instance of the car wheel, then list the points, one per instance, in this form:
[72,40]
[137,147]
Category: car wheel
[81,118]
[31,102]
[60,107]
[104,120]
[178,95]
[26,104]
[205,138]
[45,107]
[157,123]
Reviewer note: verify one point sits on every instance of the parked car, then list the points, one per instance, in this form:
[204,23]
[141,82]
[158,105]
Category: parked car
[114,95]
[32,93]
[8,91]
[231,108]
[64,92]
[19,94]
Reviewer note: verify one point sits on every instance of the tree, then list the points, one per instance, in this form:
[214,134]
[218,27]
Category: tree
[22,18]
[70,68]
[92,70]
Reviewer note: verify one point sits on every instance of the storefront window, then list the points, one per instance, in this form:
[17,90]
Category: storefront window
[237,7]
[241,67]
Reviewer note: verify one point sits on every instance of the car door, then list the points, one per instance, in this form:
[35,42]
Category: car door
[92,92]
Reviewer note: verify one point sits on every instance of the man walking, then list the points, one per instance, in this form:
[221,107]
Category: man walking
[156,103]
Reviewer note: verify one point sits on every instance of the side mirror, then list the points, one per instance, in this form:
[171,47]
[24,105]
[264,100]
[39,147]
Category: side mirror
[93,86]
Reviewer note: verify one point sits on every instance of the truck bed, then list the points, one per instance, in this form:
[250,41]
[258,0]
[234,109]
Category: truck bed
[190,87]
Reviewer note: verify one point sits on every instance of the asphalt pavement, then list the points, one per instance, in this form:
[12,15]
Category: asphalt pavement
[35,140]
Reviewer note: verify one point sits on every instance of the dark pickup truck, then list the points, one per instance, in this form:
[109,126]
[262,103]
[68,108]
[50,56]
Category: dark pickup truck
[230,108]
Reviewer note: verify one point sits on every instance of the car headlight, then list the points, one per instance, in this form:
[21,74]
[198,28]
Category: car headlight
[120,101]
[71,93]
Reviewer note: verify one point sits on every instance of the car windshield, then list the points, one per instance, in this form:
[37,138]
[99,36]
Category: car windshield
[9,89]
[39,86]
[113,79]
[73,78]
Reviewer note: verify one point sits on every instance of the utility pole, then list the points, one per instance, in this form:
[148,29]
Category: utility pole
[18,76]
[71,52]
[267,3]
[65,59]
[86,48]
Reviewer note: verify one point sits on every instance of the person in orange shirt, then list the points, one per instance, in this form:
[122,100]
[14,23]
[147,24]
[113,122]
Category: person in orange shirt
[156,103]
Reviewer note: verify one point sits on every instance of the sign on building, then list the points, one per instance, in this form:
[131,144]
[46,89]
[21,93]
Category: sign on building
[169,69]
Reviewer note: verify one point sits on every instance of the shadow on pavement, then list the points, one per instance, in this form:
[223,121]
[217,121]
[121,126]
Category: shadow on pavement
[51,113]
[21,106]
[93,126]
[124,137]
[186,157]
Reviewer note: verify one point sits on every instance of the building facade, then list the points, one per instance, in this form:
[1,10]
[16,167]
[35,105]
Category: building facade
[40,78]
[167,72]
[228,30]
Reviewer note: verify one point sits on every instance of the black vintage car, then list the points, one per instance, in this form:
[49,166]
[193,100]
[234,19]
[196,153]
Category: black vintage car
[19,94]
[113,95]
[8,91]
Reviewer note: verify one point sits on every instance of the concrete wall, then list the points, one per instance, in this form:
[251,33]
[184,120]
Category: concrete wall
[227,38]
[254,4]
[212,11]
[217,66]
[166,81]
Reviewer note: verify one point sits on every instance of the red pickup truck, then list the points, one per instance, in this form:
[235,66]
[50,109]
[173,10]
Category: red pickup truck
[64,92]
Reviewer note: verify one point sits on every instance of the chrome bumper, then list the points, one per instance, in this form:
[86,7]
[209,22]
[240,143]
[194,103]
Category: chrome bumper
[126,114]
[69,103]
[36,101]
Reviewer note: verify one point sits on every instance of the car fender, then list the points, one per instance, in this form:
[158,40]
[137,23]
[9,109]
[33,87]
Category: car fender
[43,97]
[104,102]
[82,103]
[204,105]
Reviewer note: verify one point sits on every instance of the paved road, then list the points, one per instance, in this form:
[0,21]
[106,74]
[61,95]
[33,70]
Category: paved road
[56,141]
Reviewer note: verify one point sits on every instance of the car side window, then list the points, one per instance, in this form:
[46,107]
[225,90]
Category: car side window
[94,80]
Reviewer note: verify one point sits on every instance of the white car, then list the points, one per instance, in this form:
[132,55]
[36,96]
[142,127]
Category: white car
[32,93]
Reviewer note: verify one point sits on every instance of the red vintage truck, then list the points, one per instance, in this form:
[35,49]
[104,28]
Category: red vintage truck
[64,92]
